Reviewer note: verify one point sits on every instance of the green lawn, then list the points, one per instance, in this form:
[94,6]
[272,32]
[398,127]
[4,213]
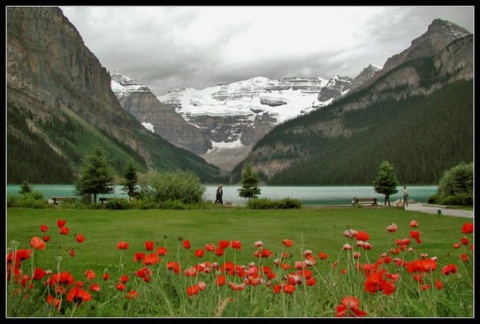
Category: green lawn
[319,230]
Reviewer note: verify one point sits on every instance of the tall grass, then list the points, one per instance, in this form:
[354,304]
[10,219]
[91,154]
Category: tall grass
[166,294]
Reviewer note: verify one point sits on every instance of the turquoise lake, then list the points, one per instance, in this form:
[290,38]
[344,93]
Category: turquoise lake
[308,195]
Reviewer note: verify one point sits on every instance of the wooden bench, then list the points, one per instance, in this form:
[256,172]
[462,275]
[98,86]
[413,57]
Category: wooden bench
[57,200]
[365,201]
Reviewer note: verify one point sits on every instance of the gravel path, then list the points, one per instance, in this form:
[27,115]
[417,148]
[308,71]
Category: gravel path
[436,209]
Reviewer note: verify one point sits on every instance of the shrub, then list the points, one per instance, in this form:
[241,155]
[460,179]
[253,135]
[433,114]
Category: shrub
[260,203]
[33,199]
[433,199]
[462,200]
[117,203]
[458,181]
[183,186]
[265,203]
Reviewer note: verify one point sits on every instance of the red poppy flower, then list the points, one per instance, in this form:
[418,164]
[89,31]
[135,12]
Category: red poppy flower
[131,294]
[422,265]
[199,253]
[263,253]
[456,245]
[38,274]
[349,307]
[173,266]
[467,228]
[90,274]
[186,244]
[464,240]
[150,259]
[46,238]
[375,282]
[61,223]
[438,284]
[64,230]
[287,242]
[236,244]
[322,256]
[223,244]
[77,295]
[149,245]
[43,228]
[54,301]
[221,280]
[106,276]
[161,250]
[236,287]
[80,238]
[413,223]
[289,289]
[416,236]
[201,285]
[191,272]
[124,279]
[277,288]
[192,291]
[37,243]
[94,287]
[121,287]
[258,244]
[464,257]
[449,269]
[392,228]
[122,245]
[72,253]
[219,251]
[362,236]
[138,256]
[210,247]
[144,272]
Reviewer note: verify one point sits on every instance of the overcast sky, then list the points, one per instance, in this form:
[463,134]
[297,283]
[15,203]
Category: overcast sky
[167,47]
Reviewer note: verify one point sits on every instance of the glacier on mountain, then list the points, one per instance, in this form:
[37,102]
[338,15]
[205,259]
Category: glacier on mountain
[281,99]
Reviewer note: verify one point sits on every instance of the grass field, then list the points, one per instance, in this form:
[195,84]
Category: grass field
[309,228]
[315,231]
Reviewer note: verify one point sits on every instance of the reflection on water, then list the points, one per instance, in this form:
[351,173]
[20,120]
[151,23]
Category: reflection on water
[308,195]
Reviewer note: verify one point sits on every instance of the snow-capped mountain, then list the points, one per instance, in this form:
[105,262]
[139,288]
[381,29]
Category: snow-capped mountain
[222,123]
[237,115]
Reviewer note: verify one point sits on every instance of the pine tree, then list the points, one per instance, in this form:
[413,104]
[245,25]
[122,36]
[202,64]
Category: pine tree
[95,176]
[25,188]
[386,182]
[249,182]
[129,182]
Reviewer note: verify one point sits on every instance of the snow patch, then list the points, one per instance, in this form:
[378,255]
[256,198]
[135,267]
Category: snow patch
[148,126]
[225,145]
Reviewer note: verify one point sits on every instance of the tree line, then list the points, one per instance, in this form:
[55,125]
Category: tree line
[422,136]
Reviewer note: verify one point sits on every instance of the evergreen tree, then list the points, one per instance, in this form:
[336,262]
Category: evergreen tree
[95,176]
[25,188]
[129,182]
[386,182]
[249,182]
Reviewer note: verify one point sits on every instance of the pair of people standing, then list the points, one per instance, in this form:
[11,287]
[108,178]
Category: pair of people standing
[219,195]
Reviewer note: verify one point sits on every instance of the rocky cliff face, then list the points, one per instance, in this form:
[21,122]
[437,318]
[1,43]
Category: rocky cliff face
[60,104]
[49,65]
[158,117]
[442,55]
